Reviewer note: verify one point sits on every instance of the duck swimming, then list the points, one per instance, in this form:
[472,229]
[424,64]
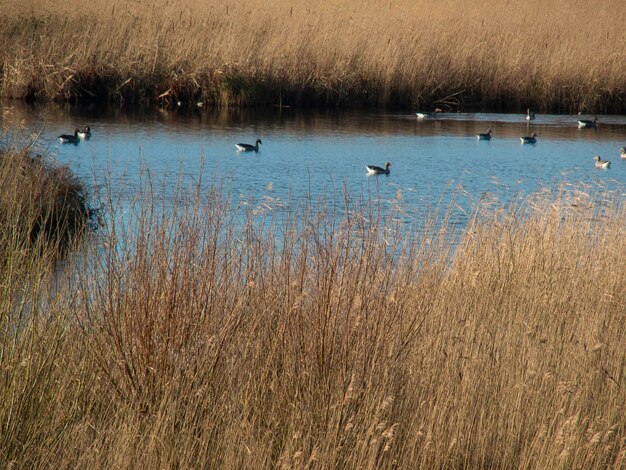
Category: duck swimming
[376,170]
[485,136]
[85,133]
[249,147]
[69,138]
[428,115]
[529,139]
[601,163]
[586,123]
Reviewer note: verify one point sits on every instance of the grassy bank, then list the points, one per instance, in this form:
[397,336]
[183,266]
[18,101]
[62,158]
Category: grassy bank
[561,55]
[199,339]
[43,206]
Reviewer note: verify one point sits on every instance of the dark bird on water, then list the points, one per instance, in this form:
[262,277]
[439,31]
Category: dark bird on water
[376,170]
[69,138]
[249,147]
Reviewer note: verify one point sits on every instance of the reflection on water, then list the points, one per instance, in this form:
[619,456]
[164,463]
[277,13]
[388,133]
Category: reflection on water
[317,155]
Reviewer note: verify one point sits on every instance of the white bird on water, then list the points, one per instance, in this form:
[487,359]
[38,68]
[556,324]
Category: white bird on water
[601,163]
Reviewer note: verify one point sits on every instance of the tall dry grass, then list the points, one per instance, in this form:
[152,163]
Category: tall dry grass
[201,336]
[562,55]
[43,206]
[43,213]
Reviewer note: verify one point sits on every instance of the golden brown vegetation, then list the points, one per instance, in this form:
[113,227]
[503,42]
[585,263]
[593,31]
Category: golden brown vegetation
[562,55]
[197,337]
[43,206]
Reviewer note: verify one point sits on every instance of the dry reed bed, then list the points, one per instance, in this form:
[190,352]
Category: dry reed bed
[199,337]
[42,213]
[43,206]
[561,55]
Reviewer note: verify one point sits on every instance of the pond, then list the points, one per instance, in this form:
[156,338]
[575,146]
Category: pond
[312,155]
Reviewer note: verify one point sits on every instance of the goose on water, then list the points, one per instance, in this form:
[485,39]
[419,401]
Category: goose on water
[249,147]
[529,139]
[622,153]
[376,170]
[69,138]
[85,133]
[530,115]
[428,115]
[601,163]
[586,123]
[485,136]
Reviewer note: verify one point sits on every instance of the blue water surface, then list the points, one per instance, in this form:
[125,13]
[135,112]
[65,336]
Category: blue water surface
[312,156]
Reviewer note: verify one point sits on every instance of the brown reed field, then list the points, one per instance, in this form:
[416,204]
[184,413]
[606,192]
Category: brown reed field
[204,335]
[559,55]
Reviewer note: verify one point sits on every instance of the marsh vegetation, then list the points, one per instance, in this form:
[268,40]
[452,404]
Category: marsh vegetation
[201,336]
[194,331]
[562,55]
[43,206]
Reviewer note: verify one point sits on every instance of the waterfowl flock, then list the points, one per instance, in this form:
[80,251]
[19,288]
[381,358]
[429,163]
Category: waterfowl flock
[96,216]
[532,139]
[85,134]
